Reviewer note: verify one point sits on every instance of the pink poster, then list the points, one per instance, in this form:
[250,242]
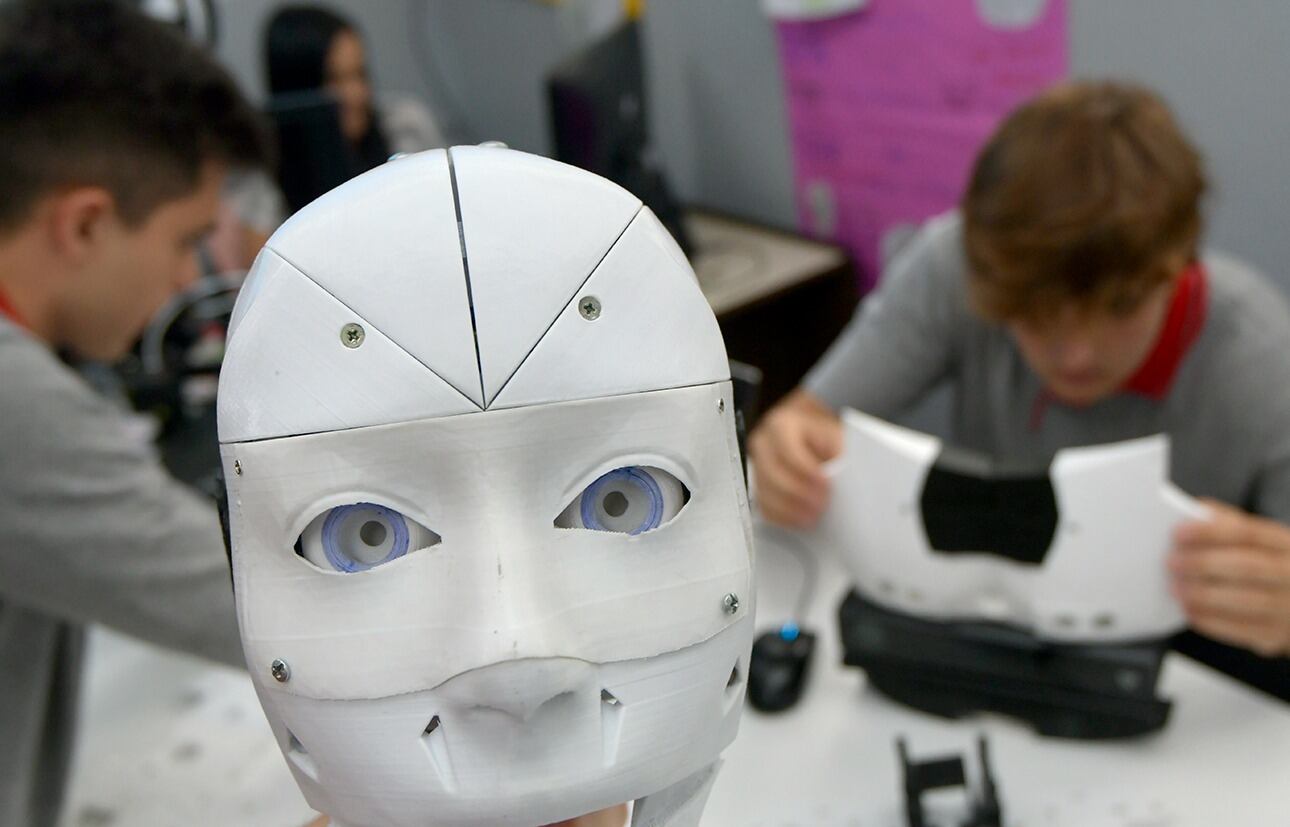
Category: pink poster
[888,106]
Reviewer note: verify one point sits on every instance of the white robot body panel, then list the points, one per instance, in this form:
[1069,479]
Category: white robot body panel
[533,233]
[491,485]
[288,371]
[387,247]
[1102,578]
[641,336]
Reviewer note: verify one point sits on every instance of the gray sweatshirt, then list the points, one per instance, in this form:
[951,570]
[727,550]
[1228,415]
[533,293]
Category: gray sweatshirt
[92,529]
[1227,411]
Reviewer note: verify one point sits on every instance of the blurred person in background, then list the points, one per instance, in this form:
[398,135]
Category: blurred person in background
[116,135]
[1069,302]
[309,48]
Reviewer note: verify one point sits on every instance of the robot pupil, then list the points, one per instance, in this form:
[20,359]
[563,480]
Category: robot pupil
[615,504]
[372,533]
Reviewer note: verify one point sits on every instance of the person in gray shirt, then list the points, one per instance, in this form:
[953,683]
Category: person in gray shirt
[115,135]
[1068,303]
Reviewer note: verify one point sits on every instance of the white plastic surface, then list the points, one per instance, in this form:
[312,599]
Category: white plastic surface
[504,582]
[680,805]
[654,329]
[535,229]
[386,244]
[1104,577]
[519,743]
[287,372]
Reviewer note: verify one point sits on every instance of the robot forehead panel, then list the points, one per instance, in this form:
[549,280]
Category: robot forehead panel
[1101,577]
[501,279]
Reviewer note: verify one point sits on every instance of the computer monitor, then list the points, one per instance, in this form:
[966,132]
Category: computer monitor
[598,117]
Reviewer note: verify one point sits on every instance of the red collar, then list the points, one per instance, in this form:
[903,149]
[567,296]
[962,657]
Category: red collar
[1183,323]
[10,312]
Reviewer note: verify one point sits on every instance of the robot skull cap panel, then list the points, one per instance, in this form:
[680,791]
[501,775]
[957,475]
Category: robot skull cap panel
[468,260]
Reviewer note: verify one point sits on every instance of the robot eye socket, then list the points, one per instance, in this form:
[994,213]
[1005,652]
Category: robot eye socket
[629,500]
[362,536]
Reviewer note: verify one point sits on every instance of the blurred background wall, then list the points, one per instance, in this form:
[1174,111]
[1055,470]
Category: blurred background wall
[717,106]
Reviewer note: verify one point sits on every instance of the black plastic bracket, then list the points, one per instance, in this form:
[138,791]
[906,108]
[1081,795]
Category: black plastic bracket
[945,772]
[953,669]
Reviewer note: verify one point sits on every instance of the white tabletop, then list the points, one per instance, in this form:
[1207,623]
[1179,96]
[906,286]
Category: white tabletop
[1223,759]
[738,264]
[170,740]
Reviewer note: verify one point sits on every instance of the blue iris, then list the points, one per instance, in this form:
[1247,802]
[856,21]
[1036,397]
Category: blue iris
[335,537]
[639,485]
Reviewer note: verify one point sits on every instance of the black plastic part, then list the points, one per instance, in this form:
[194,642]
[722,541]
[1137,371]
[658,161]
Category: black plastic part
[599,113]
[778,669]
[745,387]
[989,810]
[953,669]
[968,509]
[220,493]
[941,773]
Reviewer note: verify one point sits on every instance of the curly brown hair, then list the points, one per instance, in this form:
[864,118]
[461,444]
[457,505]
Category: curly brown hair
[1088,194]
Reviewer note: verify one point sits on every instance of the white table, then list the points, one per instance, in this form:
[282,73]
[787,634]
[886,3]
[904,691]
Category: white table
[1223,759]
[169,740]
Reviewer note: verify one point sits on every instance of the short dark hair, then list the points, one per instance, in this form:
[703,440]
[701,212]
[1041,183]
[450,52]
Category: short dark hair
[93,92]
[1083,196]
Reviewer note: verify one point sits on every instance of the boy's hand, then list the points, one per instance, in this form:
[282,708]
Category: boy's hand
[788,450]
[1232,575]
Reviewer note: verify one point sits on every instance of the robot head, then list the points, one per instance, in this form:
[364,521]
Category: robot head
[489,530]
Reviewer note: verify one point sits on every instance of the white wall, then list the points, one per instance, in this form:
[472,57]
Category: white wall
[716,100]
[1224,66]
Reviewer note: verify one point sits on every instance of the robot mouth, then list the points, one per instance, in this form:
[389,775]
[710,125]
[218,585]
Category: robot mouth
[568,713]
[523,742]
[459,740]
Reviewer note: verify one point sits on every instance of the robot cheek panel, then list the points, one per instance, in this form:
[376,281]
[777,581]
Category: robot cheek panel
[431,548]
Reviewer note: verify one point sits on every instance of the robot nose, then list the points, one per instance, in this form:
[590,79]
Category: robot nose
[519,687]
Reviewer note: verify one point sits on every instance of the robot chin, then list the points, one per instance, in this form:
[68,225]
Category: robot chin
[521,742]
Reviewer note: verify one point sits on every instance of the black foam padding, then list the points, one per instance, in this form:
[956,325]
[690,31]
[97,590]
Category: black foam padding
[981,513]
[954,669]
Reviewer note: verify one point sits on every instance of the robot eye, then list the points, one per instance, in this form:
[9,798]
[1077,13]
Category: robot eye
[362,536]
[628,500]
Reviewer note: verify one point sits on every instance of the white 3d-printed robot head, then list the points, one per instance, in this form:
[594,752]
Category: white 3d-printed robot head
[489,531]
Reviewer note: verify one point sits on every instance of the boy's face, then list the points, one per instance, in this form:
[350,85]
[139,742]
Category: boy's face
[133,270]
[1083,356]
